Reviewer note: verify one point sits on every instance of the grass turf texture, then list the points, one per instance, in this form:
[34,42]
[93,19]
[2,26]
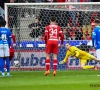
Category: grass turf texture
[65,80]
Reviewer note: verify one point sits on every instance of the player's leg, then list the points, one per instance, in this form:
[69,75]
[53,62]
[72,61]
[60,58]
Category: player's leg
[5,69]
[8,65]
[11,56]
[2,66]
[91,57]
[7,54]
[98,54]
[2,59]
[11,53]
[55,62]
[84,61]
[98,57]
[84,66]
[47,62]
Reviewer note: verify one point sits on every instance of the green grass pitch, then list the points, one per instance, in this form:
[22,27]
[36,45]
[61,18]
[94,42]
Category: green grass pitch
[65,80]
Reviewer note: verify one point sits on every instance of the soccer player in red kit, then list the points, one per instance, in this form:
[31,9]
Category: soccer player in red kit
[52,33]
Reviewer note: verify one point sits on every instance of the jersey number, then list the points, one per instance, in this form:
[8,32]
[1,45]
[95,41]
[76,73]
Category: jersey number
[53,31]
[3,37]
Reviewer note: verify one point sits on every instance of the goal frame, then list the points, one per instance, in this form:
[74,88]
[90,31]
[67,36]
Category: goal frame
[41,4]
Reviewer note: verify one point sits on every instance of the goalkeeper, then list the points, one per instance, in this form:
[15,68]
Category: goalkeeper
[82,55]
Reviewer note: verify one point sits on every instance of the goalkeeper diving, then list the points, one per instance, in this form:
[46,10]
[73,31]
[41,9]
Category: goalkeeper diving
[82,55]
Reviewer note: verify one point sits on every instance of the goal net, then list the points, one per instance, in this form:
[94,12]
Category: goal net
[28,20]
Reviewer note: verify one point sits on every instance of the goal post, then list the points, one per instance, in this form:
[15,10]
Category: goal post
[77,21]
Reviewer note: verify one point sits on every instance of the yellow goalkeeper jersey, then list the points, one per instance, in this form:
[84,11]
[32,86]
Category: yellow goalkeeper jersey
[75,52]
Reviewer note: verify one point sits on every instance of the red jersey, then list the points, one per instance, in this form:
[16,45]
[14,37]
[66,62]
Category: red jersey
[14,38]
[11,47]
[52,34]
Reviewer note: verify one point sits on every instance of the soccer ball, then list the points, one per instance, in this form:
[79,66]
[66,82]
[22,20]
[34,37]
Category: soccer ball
[16,63]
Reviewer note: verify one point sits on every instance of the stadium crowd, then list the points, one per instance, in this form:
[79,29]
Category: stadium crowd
[76,25]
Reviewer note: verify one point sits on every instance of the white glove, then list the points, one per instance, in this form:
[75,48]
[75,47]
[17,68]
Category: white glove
[61,62]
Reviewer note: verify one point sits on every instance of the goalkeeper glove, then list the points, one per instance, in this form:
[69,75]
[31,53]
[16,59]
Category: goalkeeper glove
[61,62]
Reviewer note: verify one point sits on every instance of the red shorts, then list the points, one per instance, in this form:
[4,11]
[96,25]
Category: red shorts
[11,53]
[52,48]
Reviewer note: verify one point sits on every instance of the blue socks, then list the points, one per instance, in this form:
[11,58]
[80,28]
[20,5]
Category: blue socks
[2,65]
[7,64]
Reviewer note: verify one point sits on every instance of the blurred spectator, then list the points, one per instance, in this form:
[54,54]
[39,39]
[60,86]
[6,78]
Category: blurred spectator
[13,16]
[72,11]
[62,17]
[84,47]
[78,34]
[89,37]
[72,33]
[98,15]
[2,3]
[82,6]
[66,34]
[36,29]
[2,12]
[29,1]
[97,21]
[1,18]
[80,19]
[86,22]
[28,11]
[85,0]
[24,1]
[49,0]
[96,0]
[60,0]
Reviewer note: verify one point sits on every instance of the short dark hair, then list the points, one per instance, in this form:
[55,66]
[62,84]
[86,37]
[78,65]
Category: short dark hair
[53,19]
[2,22]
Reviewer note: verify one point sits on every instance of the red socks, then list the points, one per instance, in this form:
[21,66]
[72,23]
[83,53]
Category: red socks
[47,64]
[55,64]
